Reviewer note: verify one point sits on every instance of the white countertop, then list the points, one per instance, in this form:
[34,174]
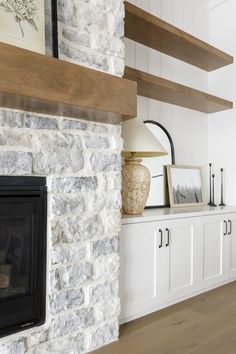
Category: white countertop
[175,213]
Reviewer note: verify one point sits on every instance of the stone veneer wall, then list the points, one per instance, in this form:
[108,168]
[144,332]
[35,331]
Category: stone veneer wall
[82,163]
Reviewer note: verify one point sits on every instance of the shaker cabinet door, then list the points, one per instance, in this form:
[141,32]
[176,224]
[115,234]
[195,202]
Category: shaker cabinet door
[140,272]
[180,259]
[213,255]
[231,246]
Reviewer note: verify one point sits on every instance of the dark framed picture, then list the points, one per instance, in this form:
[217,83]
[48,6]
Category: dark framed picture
[185,186]
[22,24]
[158,196]
[51,28]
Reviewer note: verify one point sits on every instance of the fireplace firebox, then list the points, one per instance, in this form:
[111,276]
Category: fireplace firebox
[23,220]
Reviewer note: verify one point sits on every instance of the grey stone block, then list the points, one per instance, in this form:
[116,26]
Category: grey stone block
[73,53]
[85,56]
[106,267]
[98,128]
[16,162]
[66,300]
[102,293]
[76,275]
[104,335]
[105,162]
[72,322]
[69,345]
[114,200]
[108,310]
[12,138]
[74,124]
[58,153]
[34,121]
[64,253]
[12,119]
[72,229]
[37,338]
[62,205]
[96,142]
[111,220]
[105,246]
[18,346]
[74,184]
[67,12]
[97,202]
[82,38]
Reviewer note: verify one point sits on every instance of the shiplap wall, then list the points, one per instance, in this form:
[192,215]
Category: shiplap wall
[188,128]
[222,128]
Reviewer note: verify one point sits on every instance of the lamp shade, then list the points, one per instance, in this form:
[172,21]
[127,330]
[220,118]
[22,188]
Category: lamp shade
[139,141]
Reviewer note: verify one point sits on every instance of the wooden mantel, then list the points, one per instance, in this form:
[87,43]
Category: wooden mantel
[33,82]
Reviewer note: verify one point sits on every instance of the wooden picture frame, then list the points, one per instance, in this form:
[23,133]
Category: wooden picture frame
[185,184]
[22,24]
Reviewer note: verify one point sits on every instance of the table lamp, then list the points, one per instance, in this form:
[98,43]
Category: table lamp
[138,142]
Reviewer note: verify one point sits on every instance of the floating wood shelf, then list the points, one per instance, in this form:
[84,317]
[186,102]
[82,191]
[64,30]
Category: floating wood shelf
[170,92]
[34,82]
[155,33]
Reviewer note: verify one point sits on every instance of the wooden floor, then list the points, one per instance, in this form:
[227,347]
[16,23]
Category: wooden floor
[205,324]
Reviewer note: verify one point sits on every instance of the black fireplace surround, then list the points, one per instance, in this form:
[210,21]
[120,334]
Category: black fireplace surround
[23,221]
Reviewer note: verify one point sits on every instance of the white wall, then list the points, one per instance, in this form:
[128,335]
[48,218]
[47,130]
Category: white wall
[222,126]
[188,128]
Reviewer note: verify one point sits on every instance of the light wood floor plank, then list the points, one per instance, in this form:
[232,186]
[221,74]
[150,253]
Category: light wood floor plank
[205,324]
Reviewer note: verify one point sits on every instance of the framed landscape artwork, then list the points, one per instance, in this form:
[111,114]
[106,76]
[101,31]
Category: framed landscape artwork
[185,186]
[22,24]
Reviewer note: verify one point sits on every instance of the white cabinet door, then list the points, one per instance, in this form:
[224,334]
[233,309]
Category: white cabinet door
[180,259]
[140,273]
[231,247]
[213,254]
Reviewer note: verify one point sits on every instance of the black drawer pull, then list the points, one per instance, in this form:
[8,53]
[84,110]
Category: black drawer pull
[230,227]
[226,228]
[168,237]
[160,246]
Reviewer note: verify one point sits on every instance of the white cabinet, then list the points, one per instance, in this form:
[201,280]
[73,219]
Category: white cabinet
[164,260]
[180,261]
[213,250]
[158,263]
[231,246]
[140,270]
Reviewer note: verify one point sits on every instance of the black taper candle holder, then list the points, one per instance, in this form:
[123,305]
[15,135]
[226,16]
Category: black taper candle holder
[221,188]
[213,191]
[210,200]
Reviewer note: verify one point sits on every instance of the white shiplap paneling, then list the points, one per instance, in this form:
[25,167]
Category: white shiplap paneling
[222,128]
[188,128]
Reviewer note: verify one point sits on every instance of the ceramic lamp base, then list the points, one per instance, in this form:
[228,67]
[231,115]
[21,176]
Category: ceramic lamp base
[135,186]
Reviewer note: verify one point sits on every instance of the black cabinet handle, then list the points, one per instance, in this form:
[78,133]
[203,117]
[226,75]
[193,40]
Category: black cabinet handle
[160,246]
[168,237]
[226,228]
[230,227]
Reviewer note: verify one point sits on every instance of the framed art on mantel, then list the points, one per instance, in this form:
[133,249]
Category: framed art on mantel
[22,24]
[158,195]
[185,186]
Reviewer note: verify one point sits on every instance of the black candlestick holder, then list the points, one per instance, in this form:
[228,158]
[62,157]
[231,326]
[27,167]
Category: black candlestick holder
[221,188]
[210,198]
[213,191]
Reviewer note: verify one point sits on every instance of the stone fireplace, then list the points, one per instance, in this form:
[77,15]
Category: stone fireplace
[23,234]
[82,164]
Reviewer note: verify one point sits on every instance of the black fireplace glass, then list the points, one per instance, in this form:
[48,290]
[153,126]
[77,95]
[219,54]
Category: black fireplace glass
[22,253]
